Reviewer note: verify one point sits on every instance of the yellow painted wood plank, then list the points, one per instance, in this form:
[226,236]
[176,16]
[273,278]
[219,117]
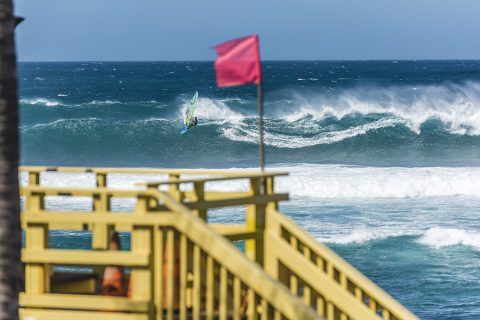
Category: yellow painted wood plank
[223,304]
[385,314]
[141,278]
[307,292]
[183,276]
[83,192]
[100,236]
[244,200]
[344,284]
[277,315]
[373,305]
[37,276]
[142,171]
[250,274]
[82,302]
[197,282]
[210,288]
[40,314]
[358,294]
[34,201]
[214,195]
[85,257]
[330,289]
[84,286]
[114,219]
[293,277]
[158,252]
[225,176]
[331,311]
[33,178]
[235,232]
[170,249]
[264,309]
[320,306]
[252,305]
[237,298]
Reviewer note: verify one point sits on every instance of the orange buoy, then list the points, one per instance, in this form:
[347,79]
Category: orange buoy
[113,277]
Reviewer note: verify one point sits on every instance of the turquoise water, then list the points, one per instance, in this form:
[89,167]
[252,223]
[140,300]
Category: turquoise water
[383,155]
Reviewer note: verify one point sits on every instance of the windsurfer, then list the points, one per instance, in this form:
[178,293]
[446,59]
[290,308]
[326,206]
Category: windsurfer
[194,122]
[190,120]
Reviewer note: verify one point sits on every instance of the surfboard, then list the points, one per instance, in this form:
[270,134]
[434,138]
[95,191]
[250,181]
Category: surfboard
[190,112]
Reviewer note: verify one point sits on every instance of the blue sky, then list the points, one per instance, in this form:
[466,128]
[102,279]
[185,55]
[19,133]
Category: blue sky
[68,30]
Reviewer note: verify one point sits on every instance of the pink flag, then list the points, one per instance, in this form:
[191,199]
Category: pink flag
[238,62]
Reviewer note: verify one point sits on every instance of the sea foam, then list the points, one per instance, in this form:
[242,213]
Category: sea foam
[332,181]
[434,237]
[212,109]
[245,133]
[103,102]
[42,101]
[440,237]
[355,182]
[363,235]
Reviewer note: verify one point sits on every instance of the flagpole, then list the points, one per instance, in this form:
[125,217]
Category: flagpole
[261,149]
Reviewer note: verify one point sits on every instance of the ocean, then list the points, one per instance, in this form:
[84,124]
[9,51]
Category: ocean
[384,156]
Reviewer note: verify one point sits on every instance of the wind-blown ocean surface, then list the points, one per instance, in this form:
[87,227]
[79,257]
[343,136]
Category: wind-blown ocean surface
[384,156]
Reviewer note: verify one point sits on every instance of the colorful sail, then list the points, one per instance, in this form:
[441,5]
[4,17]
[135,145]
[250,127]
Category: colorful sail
[191,109]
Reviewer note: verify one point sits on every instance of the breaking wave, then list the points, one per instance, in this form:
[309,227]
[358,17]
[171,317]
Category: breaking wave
[440,237]
[456,106]
[245,133]
[434,237]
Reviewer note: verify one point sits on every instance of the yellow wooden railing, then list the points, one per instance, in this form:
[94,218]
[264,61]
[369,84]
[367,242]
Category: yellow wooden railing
[181,266]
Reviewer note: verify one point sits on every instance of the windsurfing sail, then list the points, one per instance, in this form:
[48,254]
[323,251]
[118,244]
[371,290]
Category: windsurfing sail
[191,109]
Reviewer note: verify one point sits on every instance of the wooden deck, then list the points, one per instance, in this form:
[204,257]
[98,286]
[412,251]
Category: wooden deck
[179,265]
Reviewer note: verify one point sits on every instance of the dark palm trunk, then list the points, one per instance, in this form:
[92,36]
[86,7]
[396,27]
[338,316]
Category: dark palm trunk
[10,239]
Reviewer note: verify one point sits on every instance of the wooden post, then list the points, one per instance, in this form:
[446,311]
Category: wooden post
[174,189]
[101,179]
[255,221]
[199,191]
[272,231]
[33,180]
[37,276]
[141,284]
[101,204]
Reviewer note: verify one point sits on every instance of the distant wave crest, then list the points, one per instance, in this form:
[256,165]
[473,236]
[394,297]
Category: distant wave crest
[42,101]
[103,102]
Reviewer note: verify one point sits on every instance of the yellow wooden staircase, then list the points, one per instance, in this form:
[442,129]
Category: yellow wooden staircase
[180,265]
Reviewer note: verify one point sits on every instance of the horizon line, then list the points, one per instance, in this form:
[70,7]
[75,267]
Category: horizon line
[265,60]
